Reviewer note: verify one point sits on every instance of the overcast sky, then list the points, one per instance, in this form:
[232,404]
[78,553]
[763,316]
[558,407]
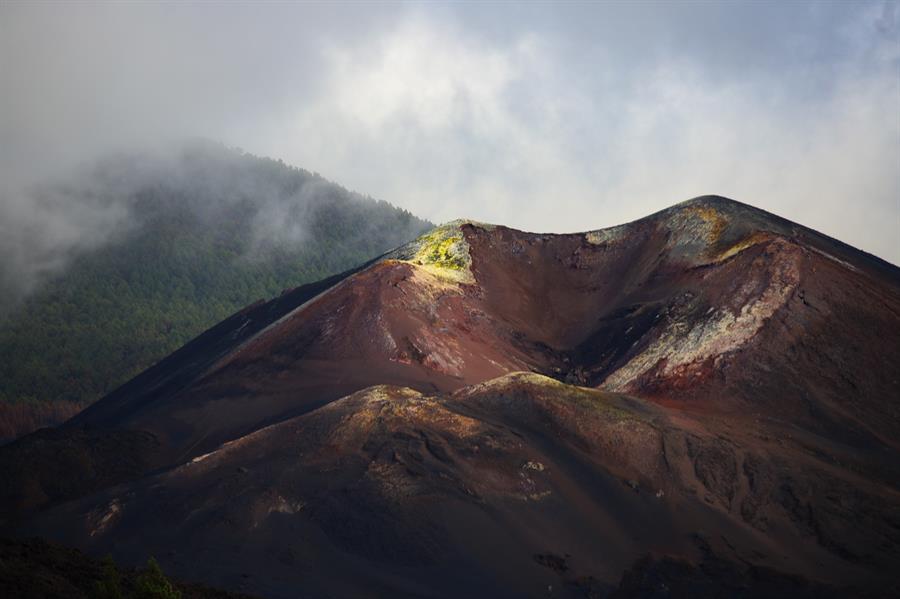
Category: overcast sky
[545,117]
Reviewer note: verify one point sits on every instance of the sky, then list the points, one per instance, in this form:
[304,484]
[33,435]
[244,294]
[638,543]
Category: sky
[551,117]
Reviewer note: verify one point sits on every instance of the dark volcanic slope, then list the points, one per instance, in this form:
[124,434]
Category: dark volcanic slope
[755,419]
[507,488]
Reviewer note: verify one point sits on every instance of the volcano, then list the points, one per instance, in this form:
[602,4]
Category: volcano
[703,402]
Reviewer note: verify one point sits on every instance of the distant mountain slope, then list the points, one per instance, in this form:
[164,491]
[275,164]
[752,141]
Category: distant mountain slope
[206,232]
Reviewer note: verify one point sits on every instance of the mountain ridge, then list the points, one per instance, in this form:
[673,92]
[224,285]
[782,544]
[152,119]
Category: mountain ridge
[709,369]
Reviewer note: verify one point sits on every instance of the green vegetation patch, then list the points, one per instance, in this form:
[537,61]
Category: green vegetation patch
[443,251]
[444,248]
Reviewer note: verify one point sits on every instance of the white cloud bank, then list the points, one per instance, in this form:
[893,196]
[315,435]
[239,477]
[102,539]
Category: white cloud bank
[539,117]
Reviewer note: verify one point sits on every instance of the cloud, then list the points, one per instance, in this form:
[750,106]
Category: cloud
[450,124]
[540,117]
[41,230]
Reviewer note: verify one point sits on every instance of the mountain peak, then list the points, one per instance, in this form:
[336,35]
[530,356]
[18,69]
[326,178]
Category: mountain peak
[711,200]
[708,367]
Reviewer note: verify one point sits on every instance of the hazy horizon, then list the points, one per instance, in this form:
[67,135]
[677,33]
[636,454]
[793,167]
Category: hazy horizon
[542,117]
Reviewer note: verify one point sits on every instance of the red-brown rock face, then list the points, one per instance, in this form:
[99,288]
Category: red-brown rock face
[711,383]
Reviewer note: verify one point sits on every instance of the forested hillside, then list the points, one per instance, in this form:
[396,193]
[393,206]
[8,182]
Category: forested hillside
[205,233]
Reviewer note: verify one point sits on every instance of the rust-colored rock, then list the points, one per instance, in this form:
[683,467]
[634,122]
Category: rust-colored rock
[498,412]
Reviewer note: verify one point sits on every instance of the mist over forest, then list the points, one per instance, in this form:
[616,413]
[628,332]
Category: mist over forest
[201,182]
[114,268]
[542,118]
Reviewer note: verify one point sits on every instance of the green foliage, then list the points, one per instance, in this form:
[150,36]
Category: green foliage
[204,238]
[153,584]
[443,247]
[442,252]
[110,586]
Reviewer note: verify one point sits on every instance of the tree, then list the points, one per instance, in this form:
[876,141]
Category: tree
[110,586]
[153,584]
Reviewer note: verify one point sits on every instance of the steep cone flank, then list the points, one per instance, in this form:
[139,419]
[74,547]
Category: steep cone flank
[659,306]
[711,382]
[506,488]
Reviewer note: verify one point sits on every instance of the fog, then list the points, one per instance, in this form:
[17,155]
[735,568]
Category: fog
[545,117]
[200,184]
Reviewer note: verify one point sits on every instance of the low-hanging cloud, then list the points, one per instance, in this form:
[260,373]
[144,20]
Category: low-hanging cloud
[41,229]
[544,117]
[515,133]
[258,208]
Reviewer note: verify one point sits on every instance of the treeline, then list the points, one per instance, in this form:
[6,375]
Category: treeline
[17,418]
[207,233]
[39,568]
